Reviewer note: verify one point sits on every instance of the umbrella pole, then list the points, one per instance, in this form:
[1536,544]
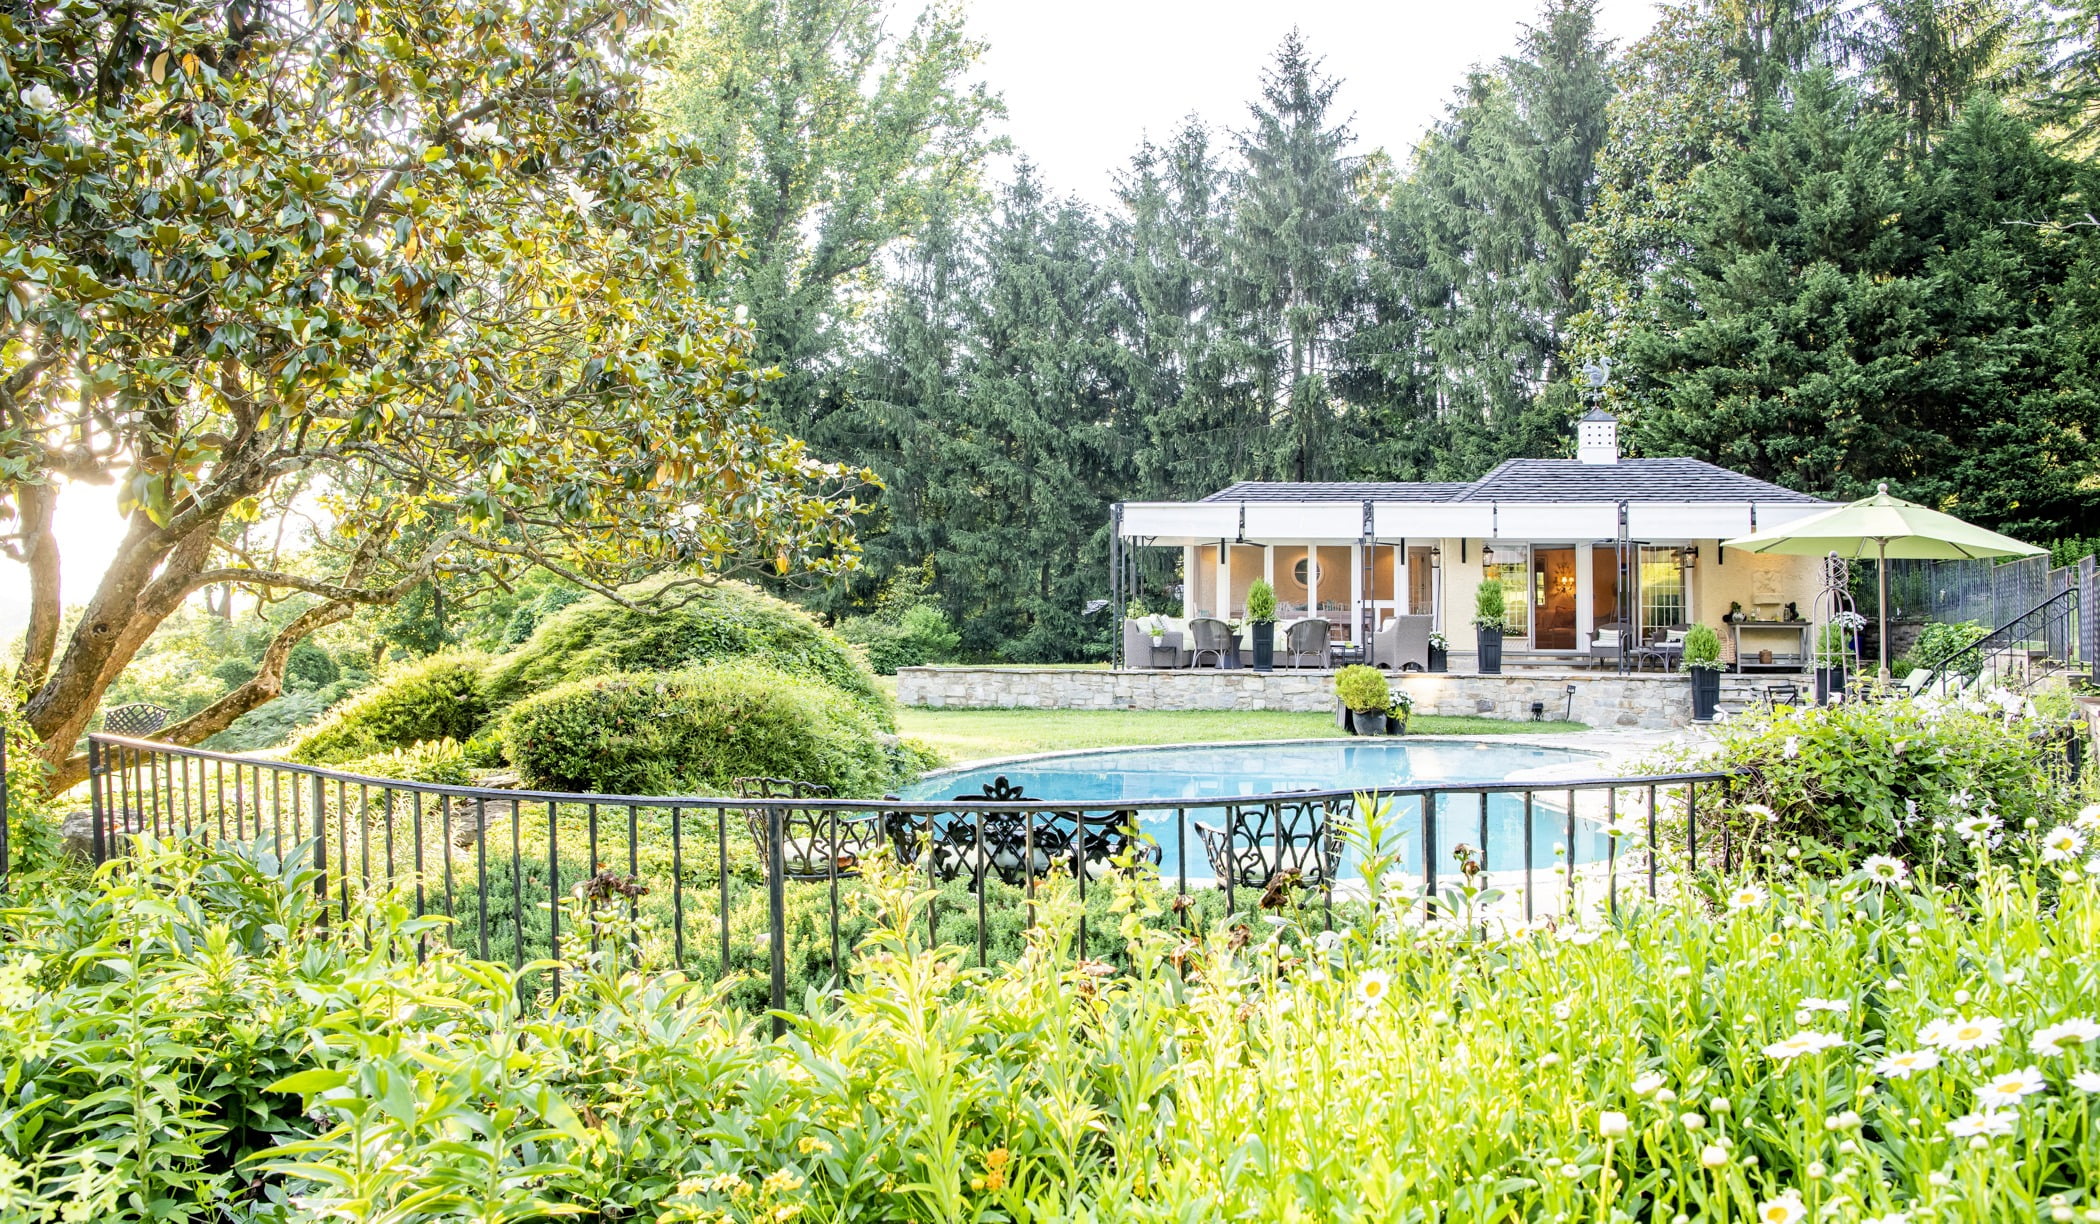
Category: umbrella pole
[1881,575]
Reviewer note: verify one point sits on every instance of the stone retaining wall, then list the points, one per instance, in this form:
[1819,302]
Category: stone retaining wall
[1656,702]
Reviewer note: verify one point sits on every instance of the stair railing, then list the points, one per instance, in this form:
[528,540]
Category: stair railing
[2016,654]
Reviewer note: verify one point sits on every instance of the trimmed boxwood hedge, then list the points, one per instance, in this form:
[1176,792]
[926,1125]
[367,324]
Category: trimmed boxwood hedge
[431,699]
[669,733]
[731,621]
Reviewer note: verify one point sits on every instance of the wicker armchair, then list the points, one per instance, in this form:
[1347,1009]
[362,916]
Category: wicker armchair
[1209,636]
[1312,639]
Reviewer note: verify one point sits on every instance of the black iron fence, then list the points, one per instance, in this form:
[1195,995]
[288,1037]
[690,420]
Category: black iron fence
[767,892]
[2037,643]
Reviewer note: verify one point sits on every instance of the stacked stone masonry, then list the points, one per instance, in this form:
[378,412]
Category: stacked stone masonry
[1652,701]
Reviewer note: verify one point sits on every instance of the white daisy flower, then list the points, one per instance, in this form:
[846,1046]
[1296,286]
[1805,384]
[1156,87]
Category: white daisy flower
[1786,1209]
[2088,818]
[2061,843]
[1612,1124]
[1748,897]
[1905,1063]
[1983,1122]
[1807,1041]
[1760,811]
[1713,1156]
[1373,987]
[1977,826]
[1965,1033]
[2052,1040]
[2009,1088]
[2086,1081]
[1884,869]
[1834,1006]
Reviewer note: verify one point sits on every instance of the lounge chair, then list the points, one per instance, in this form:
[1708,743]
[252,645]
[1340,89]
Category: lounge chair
[1605,643]
[1263,840]
[1209,636]
[1403,645]
[1311,639]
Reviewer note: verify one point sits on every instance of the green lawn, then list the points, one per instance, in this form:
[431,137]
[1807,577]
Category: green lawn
[975,735]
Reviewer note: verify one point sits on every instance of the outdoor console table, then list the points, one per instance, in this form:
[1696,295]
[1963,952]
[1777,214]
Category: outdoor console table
[1768,635]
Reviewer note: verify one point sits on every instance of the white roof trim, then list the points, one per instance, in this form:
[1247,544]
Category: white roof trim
[1173,523]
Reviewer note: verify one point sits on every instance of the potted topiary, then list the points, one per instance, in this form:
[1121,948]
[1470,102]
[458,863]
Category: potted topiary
[1365,694]
[1397,714]
[1830,663]
[1261,615]
[1491,619]
[1702,658]
[1439,652]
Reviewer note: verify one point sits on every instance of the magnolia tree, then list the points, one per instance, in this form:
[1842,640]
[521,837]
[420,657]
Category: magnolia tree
[421,276]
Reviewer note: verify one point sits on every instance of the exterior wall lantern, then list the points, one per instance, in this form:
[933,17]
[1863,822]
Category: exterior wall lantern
[1487,558]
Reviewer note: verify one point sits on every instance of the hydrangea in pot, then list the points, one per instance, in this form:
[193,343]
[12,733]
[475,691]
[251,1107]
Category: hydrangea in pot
[1261,616]
[1365,694]
[1439,652]
[1702,659]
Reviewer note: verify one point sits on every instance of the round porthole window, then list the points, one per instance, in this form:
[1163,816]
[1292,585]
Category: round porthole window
[1305,572]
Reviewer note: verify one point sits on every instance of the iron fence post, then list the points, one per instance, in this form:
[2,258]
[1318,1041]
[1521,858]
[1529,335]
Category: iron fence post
[95,805]
[776,916]
[320,828]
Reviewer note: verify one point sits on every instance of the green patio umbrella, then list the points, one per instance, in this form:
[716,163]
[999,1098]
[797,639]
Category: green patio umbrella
[1884,527]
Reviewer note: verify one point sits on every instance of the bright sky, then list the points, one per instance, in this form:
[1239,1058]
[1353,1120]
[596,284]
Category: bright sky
[1085,81]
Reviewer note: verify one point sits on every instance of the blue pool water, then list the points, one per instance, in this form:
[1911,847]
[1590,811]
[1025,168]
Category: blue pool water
[1215,772]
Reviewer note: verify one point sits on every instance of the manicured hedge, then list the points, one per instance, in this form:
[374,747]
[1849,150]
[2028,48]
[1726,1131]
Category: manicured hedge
[597,637]
[431,699]
[667,733]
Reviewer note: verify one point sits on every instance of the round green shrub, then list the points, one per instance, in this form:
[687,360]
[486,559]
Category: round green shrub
[669,733]
[1490,609]
[1261,602]
[922,635]
[442,761]
[596,637]
[1363,689]
[431,699]
[1702,647]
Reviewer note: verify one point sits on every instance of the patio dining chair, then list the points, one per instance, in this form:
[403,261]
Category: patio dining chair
[1309,638]
[816,843]
[1209,636]
[1260,841]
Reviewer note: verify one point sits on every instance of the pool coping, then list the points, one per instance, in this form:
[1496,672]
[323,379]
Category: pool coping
[1555,740]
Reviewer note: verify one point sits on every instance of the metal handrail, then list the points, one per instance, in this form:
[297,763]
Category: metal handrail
[2050,621]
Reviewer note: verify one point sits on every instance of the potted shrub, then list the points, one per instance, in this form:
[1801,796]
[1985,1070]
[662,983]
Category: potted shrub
[1702,659]
[1364,692]
[1261,615]
[1397,714]
[1439,652]
[1491,619]
[1830,663]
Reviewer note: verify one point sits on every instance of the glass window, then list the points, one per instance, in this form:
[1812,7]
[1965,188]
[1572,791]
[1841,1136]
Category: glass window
[1662,588]
[1512,568]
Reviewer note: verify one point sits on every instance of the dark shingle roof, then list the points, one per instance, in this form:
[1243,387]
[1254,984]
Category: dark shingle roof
[1374,490]
[1540,480]
[1667,480]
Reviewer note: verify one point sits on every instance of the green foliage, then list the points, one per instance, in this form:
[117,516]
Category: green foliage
[669,733]
[1937,641]
[32,832]
[1490,609]
[1261,602]
[596,636]
[1362,688]
[440,761]
[1896,777]
[920,636]
[437,698]
[1702,647]
[1832,645]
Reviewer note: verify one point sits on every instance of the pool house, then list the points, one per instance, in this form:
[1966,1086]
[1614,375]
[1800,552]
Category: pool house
[1592,551]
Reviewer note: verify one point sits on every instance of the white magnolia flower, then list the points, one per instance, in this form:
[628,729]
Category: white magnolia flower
[2086,1081]
[1786,1209]
[2061,843]
[1807,1041]
[484,132]
[2089,818]
[1748,897]
[1905,1063]
[1374,986]
[39,98]
[1647,1082]
[2052,1040]
[1834,1006]
[2007,1089]
[1983,1122]
[1883,869]
[1612,1124]
[1965,1033]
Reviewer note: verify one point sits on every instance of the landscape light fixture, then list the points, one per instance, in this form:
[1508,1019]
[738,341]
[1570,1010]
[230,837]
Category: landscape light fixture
[1568,715]
[1538,711]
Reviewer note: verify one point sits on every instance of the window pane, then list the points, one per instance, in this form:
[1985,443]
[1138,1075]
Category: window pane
[1662,588]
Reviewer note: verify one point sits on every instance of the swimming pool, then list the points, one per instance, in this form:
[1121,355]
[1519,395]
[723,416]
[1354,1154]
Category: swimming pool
[1205,774]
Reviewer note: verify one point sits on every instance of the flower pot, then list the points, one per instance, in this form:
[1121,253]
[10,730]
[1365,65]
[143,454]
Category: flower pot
[1706,693]
[1396,725]
[1367,722]
[1439,659]
[1830,684]
[1490,652]
[1264,645]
